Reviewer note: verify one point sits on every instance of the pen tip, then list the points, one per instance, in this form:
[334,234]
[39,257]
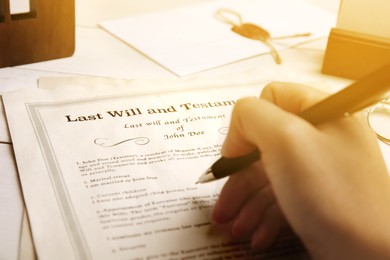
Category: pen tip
[206,177]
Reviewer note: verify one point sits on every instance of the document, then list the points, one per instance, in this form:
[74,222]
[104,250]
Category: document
[191,39]
[4,134]
[11,204]
[15,235]
[19,6]
[111,174]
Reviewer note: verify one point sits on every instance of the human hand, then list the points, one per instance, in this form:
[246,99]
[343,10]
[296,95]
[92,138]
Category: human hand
[328,181]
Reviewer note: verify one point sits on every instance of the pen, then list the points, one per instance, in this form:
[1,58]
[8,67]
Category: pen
[360,94]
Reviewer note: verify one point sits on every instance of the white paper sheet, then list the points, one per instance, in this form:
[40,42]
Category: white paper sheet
[11,205]
[113,176]
[190,39]
[15,236]
[100,54]
[19,6]
[4,134]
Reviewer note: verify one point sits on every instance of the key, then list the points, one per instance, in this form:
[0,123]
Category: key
[252,31]
[255,32]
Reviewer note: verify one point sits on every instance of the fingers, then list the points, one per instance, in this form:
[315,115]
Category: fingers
[259,218]
[252,211]
[237,190]
[255,120]
[259,124]
[247,208]
[272,225]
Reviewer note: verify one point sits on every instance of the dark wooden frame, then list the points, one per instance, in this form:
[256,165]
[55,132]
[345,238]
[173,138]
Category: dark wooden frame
[46,32]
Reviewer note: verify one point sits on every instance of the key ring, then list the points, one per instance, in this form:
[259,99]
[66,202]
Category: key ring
[247,30]
[223,13]
[252,31]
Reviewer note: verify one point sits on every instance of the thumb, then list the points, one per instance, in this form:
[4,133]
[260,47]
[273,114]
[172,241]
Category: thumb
[267,122]
[259,124]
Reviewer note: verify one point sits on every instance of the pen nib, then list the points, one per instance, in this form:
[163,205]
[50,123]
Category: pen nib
[206,177]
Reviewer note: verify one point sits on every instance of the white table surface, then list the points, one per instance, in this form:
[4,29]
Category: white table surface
[100,54]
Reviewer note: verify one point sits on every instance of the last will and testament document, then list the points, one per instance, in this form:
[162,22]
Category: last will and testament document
[111,175]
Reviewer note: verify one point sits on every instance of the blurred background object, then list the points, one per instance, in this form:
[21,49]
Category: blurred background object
[360,42]
[36,30]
